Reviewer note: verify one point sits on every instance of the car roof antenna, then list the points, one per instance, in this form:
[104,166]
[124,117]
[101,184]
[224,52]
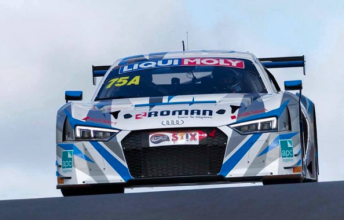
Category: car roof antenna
[187,42]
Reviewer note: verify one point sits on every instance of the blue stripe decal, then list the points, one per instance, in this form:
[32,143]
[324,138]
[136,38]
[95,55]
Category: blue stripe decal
[275,112]
[275,143]
[75,122]
[76,151]
[56,163]
[239,154]
[193,101]
[169,98]
[66,146]
[116,165]
[58,174]
[298,163]
[175,103]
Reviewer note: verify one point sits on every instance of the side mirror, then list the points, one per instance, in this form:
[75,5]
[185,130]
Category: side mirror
[73,96]
[293,85]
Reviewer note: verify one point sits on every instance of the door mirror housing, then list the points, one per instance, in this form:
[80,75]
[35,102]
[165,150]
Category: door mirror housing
[73,96]
[293,85]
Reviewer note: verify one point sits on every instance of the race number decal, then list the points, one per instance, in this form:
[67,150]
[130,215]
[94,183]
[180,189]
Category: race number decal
[157,139]
[123,81]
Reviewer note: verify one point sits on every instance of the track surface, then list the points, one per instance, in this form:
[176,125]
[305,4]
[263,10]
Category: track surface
[294,201]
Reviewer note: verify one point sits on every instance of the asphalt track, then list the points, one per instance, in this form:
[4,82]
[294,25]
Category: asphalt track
[292,202]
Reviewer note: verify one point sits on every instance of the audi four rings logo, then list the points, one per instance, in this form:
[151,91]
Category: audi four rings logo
[172,122]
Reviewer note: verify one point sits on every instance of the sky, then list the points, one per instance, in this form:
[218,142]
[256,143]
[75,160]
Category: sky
[48,47]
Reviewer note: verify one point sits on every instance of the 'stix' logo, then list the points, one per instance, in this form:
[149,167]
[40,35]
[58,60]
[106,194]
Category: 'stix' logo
[158,138]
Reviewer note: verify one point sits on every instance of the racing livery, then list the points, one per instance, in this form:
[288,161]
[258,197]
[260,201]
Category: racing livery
[186,117]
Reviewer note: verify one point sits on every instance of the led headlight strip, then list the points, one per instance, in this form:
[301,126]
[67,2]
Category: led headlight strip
[92,133]
[256,126]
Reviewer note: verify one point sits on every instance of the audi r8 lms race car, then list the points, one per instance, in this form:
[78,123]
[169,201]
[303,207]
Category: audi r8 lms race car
[186,117]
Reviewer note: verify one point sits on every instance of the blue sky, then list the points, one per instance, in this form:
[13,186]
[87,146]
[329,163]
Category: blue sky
[300,25]
[49,46]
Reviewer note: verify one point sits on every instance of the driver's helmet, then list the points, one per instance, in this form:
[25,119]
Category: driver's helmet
[226,79]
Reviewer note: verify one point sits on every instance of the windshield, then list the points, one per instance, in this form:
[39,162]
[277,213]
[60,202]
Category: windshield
[170,78]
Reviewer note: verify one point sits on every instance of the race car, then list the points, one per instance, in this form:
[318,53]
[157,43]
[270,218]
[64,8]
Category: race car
[186,117]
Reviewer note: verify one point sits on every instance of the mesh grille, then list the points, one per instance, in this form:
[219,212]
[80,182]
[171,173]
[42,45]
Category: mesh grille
[174,160]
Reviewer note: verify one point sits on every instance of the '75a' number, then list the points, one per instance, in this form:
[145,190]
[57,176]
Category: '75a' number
[122,81]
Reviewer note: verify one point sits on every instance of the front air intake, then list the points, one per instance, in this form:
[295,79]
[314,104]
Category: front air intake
[205,158]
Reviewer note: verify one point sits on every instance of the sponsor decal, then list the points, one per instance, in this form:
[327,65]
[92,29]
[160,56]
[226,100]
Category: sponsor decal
[141,115]
[213,62]
[212,134]
[255,112]
[123,81]
[172,122]
[181,114]
[182,62]
[67,161]
[287,151]
[99,120]
[149,65]
[157,139]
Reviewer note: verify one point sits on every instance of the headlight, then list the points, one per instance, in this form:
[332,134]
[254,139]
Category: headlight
[256,126]
[91,133]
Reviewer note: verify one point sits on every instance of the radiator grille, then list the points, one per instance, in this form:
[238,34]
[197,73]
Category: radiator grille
[174,160]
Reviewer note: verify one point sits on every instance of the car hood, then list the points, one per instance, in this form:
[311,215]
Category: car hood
[173,111]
